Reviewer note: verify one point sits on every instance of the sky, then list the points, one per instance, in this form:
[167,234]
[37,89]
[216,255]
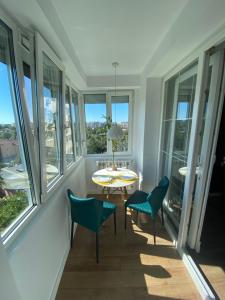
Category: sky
[95,112]
[6,109]
[182,110]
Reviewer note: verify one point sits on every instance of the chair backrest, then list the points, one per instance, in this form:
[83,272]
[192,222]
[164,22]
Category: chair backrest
[157,196]
[86,211]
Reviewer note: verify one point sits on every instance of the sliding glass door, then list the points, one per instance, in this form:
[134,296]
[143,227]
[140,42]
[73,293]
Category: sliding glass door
[205,160]
[177,122]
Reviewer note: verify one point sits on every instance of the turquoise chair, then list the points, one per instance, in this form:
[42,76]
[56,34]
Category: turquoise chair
[148,203]
[90,213]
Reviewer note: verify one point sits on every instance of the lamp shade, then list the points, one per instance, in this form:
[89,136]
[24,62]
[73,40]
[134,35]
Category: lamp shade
[115,132]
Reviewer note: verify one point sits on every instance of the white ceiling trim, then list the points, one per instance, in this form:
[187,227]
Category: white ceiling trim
[52,16]
[123,81]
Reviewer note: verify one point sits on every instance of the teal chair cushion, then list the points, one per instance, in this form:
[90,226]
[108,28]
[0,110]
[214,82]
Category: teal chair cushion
[142,207]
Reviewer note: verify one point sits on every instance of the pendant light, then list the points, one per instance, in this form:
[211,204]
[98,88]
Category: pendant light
[115,132]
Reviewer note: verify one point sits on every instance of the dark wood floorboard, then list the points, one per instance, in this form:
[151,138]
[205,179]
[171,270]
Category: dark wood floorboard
[130,266]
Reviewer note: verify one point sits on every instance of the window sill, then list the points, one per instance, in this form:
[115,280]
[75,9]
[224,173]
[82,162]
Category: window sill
[61,179]
[8,241]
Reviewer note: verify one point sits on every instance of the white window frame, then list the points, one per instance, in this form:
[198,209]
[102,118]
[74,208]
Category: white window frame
[130,120]
[28,57]
[18,224]
[43,47]
[78,157]
[67,167]
[71,87]
[110,94]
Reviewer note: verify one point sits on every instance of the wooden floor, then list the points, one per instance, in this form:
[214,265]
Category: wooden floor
[211,258]
[130,267]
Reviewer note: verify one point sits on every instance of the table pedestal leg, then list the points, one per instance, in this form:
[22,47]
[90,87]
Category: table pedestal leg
[108,192]
[125,190]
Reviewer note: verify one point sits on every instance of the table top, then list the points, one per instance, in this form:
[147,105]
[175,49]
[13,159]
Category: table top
[115,179]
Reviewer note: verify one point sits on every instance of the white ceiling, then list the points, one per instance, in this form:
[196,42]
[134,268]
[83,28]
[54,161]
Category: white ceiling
[127,31]
[147,37]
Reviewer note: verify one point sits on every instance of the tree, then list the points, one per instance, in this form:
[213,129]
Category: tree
[11,207]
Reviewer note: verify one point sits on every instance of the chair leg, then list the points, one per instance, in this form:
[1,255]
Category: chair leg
[97,248]
[162,215]
[154,230]
[71,234]
[125,224]
[114,221]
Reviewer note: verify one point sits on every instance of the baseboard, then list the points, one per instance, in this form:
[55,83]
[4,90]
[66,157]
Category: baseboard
[59,274]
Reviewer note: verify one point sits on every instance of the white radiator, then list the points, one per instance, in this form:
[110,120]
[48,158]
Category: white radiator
[128,164]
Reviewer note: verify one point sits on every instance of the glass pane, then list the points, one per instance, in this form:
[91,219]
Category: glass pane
[76,122]
[203,120]
[95,112]
[69,150]
[176,135]
[183,120]
[52,90]
[120,113]
[28,92]
[168,115]
[15,195]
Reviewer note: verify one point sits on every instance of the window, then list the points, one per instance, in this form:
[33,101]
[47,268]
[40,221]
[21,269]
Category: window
[76,123]
[52,95]
[177,122]
[120,116]
[95,113]
[28,92]
[16,185]
[98,111]
[69,143]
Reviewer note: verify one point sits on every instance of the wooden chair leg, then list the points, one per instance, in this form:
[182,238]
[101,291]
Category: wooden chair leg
[71,234]
[154,230]
[125,224]
[97,248]
[162,215]
[114,221]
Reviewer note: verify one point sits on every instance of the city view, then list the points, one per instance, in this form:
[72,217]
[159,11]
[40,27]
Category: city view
[14,183]
[97,127]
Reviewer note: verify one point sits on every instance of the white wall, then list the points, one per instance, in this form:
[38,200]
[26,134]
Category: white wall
[8,288]
[153,110]
[139,126]
[38,255]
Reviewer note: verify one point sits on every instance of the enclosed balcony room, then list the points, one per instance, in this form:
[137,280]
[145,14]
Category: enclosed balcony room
[112,154]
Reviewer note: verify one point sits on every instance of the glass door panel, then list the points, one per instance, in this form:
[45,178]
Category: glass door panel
[176,135]
[205,146]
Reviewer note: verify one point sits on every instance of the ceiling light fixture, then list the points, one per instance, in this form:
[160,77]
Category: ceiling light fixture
[115,132]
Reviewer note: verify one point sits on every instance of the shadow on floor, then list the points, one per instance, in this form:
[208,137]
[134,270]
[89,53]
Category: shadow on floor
[130,266]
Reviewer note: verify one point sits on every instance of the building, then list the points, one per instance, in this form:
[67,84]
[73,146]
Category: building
[170,82]
[8,150]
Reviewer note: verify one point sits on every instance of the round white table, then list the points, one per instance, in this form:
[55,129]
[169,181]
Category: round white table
[117,180]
